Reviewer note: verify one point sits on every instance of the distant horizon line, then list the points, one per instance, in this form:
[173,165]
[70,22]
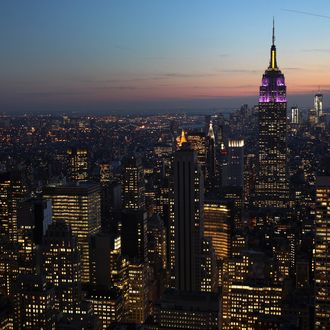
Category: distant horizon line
[208,105]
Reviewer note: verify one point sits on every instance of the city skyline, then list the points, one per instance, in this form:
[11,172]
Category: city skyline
[147,56]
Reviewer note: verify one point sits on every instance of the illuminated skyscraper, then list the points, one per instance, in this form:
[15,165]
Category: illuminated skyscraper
[322,254]
[295,115]
[12,191]
[34,303]
[62,266]
[188,219]
[216,226]
[197,142]
[79,206]
[249,302]
[248,293]
[107,305]
[318,106]
[133,183]
[211,165]
[136,307]
[232,175]
[78,164]
[209,268]
[272,185]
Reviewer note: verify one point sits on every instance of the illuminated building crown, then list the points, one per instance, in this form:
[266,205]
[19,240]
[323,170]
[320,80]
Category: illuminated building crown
[273,87]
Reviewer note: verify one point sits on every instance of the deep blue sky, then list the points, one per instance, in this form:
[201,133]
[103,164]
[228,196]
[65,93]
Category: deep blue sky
[156,54]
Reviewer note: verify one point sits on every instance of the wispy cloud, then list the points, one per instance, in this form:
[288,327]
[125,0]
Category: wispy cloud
[54,93]
[186,75]
[293,69]
[122,87]
[317,50]
[226,87]
[304,13]
[157,76]
[239,70]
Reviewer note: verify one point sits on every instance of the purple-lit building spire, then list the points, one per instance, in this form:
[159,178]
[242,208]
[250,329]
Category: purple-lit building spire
[272,63]
[271,186]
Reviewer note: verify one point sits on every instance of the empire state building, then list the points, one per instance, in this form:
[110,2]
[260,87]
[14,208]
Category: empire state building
[272,185]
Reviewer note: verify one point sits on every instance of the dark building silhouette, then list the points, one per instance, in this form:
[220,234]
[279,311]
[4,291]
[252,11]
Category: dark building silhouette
[188,219]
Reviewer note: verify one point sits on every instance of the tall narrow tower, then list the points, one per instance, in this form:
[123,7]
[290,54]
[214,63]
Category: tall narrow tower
[322,254]
[272,186]
[211,154]
[188,219]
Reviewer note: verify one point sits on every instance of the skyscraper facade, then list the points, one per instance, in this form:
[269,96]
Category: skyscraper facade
[133,182]
[217,227]
[322,253]
[197,142]
[295,115]
[271,185]
[79,206]
[62,266]
[232,175]
[12,191]
[78,164]
[318,106]
[188,219]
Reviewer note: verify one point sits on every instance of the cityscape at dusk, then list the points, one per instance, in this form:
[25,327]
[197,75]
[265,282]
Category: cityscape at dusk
[164,165]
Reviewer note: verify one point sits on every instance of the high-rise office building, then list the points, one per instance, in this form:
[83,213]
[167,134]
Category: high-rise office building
[232,169]
[137,304]
[198,143]
[249,302]
[209,268]
[318,106]
[107,305]
[295,115]
[187,310]
[217,227]
[133,183]
[322,253]
[79,206]
[248,292]
[12,191]
[211,166]
[33,218]
[101,246]
[157,253]
[134,235]
[272,185]
[62,266]
[35,213]
[312,118]
[188,219]
[78,164]
[34,303]
[8,265]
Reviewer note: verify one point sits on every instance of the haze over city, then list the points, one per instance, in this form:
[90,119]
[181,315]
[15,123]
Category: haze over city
[145,56]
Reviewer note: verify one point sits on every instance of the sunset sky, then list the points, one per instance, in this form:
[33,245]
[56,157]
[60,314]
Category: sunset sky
[91,55]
